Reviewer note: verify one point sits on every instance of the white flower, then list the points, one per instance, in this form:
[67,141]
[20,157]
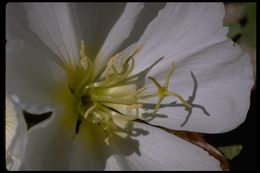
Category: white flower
[15,132]
[66,58]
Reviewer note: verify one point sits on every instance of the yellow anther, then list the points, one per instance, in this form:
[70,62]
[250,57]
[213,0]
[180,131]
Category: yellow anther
[99,92]
[83,57]
[82,49]
[109,134]
[132,54]
[162,90]
[110,64]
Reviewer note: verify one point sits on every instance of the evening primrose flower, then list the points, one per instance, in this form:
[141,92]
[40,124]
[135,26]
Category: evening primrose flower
[15,132]
[182,73]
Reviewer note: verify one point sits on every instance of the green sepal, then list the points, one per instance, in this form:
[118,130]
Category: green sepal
[231,151]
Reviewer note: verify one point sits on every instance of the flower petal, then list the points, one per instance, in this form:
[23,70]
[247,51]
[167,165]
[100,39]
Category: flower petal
[15,135]
[11,122]
[53,24]
[218,88]
[32,75]
[32,69]
[93,21]
[154,149]
[179,30]
[49,143]
[120,32]
[89,151]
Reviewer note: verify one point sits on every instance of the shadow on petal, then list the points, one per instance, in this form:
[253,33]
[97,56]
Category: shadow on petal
[93,145]
[149,116]
[139,78]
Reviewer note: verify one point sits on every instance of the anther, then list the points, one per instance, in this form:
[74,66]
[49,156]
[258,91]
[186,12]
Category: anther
[110,64]
[84,59]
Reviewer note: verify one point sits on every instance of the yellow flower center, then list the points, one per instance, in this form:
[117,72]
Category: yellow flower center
[111,98]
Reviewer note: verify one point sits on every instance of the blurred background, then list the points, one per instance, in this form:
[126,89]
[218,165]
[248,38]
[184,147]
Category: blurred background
[241,19]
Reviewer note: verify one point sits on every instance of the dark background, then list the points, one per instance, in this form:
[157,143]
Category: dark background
[241,19]
[245,135]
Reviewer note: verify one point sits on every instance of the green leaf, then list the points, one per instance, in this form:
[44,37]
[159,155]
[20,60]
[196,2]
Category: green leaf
[234,29]
[231,151]
[249,31]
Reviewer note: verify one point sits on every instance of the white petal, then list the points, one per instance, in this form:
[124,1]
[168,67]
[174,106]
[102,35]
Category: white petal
[119,32]
[151,148]
[93,21]
[11,122]
[32,75]
[49,143]
[32,69]
[179,30]
[15,135]
[53,24]
[223,81]
[89,151]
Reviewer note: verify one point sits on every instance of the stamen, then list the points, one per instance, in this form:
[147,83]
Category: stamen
[110,64]
[83,58]
[136,50]
[140,90]
[90,110]
[100,102]
[117,77]
[107,121]
[130,57]
[134,106]
[117,115]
